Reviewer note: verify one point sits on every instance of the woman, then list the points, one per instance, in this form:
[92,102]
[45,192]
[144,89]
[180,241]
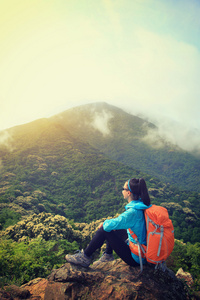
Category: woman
[115,231]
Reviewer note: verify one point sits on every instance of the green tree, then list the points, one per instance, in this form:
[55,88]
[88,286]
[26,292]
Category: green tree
[21,262]
[8,217]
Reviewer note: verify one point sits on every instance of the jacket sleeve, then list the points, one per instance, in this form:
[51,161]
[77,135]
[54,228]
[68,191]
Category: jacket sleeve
[124,221]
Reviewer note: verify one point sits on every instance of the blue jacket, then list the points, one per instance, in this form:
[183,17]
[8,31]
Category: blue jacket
[132,218]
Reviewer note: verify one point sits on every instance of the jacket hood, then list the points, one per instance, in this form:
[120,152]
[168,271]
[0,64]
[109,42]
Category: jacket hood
[137,204]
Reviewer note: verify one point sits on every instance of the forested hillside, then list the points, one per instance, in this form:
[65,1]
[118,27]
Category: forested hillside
[132,141]
[49,169]
[39,243]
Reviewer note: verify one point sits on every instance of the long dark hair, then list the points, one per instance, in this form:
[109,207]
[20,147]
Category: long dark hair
[139,189]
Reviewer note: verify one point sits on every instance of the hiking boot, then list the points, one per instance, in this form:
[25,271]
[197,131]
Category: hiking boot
[104,258]
[78,258]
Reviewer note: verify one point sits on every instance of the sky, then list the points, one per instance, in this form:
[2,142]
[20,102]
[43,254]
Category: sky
[140,55]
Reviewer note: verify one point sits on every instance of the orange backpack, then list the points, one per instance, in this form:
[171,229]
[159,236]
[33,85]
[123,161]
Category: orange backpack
[160,236]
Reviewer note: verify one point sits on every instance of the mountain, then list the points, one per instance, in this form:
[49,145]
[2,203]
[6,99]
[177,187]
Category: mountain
[67,165]
[129,139]
[118,135]
[49,169]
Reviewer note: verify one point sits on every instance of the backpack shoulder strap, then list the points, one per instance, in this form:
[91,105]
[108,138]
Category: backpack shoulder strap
[134,236]
[141,249]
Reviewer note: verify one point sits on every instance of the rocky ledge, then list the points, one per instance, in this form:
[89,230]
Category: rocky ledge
[113,280]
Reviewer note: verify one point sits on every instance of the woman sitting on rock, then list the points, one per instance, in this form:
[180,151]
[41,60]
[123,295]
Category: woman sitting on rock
[115,231]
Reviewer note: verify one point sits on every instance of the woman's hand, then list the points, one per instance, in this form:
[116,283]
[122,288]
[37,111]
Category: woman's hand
[101,225]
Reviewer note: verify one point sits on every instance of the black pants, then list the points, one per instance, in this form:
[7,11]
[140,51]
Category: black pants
[115,240]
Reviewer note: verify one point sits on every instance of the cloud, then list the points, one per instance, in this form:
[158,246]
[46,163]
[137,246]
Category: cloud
[6,140]
[100,122]
[114,17]
[161,76]
[177,134]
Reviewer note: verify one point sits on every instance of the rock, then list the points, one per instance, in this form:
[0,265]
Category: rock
[111,280]
[37,288]
[5,295]
[187,277]
[16,292]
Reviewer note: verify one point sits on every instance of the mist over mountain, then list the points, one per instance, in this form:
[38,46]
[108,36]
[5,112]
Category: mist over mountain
[133,141]
[176,133]
[123,137]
